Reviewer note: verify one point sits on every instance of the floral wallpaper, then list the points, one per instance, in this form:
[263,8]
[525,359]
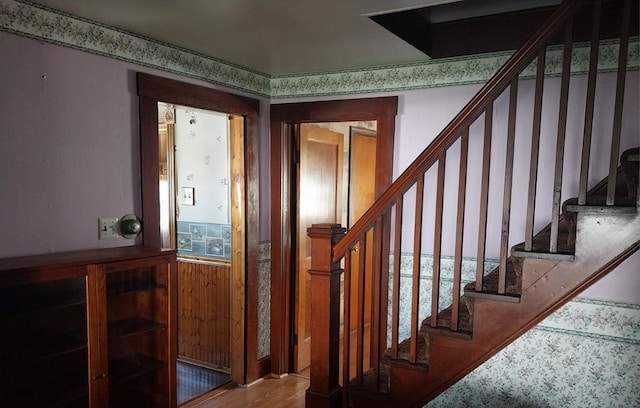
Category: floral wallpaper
[586,354]
[593,361]
[31,20]
[264,300]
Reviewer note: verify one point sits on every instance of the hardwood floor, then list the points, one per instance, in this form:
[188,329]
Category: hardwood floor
[285,392]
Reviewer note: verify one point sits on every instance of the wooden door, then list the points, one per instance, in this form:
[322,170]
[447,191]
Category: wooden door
[320,201]
[362,172]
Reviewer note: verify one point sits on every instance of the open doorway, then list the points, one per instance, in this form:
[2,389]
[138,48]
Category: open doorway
[241,115]
[335,184]
[199,221]
[286,120]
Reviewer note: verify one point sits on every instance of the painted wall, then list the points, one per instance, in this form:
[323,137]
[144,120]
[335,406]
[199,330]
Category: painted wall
[423,113]
[70,146]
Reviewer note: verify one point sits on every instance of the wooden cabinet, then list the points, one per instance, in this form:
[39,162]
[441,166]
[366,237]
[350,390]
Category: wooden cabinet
[89,329]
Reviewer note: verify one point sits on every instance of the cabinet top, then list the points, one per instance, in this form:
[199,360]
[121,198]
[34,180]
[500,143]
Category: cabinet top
[78,258]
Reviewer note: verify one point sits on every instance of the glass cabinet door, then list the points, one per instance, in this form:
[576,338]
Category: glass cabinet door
[137,320]
[43,346]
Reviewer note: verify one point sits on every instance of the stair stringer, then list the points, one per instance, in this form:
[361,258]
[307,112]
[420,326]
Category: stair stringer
[547,285]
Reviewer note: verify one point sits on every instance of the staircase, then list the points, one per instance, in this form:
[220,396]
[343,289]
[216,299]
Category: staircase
[587,237]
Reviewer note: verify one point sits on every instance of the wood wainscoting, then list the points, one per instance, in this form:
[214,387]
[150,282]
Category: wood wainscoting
[204,313]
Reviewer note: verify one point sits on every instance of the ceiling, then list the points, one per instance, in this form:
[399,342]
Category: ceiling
[274,37]
[289,37]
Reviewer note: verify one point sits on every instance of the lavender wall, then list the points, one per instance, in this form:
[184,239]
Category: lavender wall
[69,134]
[70,148]
[422,114]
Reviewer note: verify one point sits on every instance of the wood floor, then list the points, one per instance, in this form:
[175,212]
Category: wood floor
[285,392]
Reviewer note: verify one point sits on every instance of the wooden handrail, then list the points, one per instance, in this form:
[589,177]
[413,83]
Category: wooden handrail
[498,83]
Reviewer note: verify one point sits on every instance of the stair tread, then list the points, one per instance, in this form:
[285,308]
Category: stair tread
[368,381]
[404,350]
[599,203]
[490,281]
[465,321]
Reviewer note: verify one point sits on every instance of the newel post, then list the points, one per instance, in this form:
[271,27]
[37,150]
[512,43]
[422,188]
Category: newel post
[324,388]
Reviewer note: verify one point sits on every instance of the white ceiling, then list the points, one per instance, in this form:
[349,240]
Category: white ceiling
[273,37]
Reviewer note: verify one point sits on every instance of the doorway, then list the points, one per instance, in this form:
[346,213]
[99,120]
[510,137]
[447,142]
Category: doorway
[242,268]
[286,120]
[199,222]
[336,184]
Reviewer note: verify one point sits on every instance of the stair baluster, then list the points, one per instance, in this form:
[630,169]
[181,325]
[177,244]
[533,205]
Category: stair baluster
[484,196]
[617,113]
[535,148]
[590,103]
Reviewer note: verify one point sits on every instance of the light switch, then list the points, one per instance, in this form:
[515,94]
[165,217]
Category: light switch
[108,228]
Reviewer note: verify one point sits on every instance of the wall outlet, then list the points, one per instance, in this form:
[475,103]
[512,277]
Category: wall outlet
[107,228]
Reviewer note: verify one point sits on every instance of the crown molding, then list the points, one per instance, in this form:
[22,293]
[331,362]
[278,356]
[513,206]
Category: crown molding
[31,20]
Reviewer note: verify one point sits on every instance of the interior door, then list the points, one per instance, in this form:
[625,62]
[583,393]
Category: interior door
[319,197]
[362,172]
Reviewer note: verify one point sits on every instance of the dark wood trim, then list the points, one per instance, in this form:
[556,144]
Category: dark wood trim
[252,226]
[152,89]
[264,367]
[383,110]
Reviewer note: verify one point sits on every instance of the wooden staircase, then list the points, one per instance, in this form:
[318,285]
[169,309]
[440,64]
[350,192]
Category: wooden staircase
[588,236]
[538,283]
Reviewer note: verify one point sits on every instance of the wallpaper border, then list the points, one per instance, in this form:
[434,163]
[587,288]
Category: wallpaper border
[24,18]
[594,318]
[42,23]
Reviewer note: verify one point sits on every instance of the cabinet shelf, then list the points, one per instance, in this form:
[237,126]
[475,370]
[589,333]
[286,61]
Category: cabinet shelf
[67,397]
[128,368]
[46,386]
[133,326]
[40,297]
[25,354]
[132,286]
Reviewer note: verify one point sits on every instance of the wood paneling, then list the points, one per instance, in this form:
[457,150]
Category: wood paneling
[204,313]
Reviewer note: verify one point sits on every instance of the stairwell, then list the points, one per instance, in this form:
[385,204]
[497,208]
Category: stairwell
[588,236]
[538,283]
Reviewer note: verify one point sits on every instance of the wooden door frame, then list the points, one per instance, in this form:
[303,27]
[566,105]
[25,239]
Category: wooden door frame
[152,89]
[283,117]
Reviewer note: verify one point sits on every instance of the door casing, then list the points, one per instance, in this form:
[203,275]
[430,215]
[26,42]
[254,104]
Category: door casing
[284,117]
[152,89]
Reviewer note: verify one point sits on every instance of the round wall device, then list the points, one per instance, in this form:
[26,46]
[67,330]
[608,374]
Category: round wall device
[130,226]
